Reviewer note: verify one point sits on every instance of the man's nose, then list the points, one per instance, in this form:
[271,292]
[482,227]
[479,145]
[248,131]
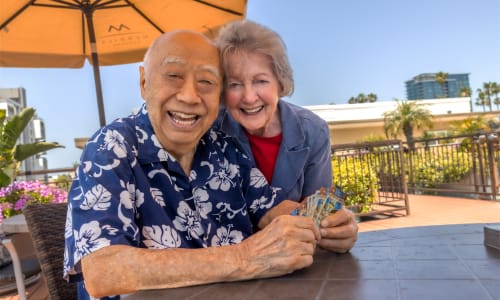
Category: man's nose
[188,92]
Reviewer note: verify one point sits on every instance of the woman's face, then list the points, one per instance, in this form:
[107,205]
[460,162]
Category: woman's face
[252,93]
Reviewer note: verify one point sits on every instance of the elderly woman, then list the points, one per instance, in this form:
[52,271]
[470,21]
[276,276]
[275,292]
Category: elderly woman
[290,144]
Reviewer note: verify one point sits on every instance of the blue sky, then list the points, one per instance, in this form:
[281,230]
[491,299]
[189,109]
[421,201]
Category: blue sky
[337,49]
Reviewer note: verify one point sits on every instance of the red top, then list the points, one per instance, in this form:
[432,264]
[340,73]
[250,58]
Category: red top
[265,151]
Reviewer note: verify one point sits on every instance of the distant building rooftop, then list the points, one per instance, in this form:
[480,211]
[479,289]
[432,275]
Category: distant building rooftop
[375,110]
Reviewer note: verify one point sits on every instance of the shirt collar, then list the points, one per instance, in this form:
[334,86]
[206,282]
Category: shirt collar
[149,149]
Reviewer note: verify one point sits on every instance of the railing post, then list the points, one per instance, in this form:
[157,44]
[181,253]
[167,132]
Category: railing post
[492,141]
[481,160]
[403,176]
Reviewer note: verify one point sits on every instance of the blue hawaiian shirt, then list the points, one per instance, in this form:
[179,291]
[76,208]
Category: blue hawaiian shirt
[128,190]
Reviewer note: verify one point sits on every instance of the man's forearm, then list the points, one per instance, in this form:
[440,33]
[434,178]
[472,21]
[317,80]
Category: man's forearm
[123,269]
[285,245]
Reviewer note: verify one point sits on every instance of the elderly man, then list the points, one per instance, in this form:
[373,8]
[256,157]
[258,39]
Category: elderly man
[161,201]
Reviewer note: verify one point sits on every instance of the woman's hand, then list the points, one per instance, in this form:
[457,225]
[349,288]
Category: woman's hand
[339,231]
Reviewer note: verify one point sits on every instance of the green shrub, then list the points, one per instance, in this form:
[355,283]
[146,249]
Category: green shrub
[447,166]
[357,179]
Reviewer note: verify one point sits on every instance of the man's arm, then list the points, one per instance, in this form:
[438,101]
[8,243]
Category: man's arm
[286,244]
[121,269]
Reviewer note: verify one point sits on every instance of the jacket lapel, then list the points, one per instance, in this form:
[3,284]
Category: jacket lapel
[293,152]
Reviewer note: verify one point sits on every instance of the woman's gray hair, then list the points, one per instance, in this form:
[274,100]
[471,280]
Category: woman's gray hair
[248,36]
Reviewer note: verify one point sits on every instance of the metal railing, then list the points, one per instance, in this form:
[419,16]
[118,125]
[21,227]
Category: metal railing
[373,177]
[377,176]
[462,165]
[63,183]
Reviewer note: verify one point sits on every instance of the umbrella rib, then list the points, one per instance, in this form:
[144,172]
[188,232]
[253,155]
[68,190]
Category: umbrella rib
[219,8]
[107,4]
[83,33]
[78,5]
[144,16]
[63,4]
[16,14]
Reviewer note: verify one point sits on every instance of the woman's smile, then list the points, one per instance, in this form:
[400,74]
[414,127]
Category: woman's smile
[252,111]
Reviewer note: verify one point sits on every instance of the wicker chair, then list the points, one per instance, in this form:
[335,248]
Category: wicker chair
[46,225]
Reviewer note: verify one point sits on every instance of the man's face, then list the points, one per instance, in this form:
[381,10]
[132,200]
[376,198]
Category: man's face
[181,84]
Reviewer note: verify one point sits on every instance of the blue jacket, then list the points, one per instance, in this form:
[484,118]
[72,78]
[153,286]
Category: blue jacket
[304,158]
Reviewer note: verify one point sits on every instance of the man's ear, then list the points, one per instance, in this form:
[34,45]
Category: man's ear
[142,82]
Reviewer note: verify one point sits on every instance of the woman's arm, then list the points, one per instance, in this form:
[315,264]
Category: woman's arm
[318,170]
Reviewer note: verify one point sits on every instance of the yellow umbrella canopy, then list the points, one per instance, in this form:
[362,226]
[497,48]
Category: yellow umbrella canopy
[63,33]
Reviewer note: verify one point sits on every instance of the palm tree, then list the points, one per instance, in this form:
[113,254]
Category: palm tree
[495,92]
[362,98]
[465,92]
[442,80]
[481,99]
[488,90]
[407,116]
[371,97]
[469,125]
[11,153]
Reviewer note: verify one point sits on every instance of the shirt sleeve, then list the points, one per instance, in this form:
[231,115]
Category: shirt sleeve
[100,199]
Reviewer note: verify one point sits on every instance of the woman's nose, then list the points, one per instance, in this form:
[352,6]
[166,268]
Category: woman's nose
[249,94]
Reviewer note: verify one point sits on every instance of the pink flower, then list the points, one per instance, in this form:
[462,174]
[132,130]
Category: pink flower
[14,197]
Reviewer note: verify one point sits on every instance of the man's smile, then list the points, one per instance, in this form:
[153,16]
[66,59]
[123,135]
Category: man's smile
[183,119]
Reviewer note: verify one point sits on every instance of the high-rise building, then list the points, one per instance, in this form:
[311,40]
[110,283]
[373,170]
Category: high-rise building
[425,86]
[13,101]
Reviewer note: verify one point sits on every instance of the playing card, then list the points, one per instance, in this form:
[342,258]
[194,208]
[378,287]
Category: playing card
[320,204]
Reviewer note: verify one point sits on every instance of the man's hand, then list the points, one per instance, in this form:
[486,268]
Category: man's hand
[339,231]
[283,246]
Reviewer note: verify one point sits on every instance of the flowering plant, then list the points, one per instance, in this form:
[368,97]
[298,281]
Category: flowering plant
[15,196]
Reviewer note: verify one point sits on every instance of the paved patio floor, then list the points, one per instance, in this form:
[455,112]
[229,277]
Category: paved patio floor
[424,211]
[435,210]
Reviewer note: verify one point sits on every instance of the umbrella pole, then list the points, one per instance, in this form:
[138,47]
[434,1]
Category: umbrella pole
[98,89]
[95,64]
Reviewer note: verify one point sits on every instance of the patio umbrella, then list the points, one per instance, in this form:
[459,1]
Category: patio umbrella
[63,33]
